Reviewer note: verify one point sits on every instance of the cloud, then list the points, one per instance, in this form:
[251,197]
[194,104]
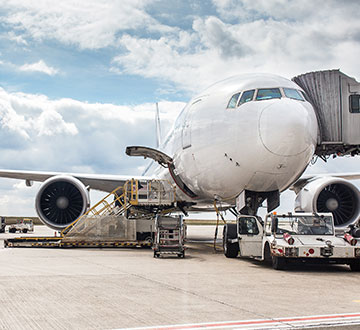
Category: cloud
[68,135]
[287,37]
[248,36]
[51,123]
[17,38]
[91,26]
[39,66]
[12,121]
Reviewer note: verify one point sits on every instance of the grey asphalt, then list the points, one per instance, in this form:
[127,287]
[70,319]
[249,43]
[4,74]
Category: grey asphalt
[123,288]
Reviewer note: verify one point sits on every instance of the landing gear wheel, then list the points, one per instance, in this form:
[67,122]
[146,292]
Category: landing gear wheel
[231,250]
[355,266]
[181,255]
[278,263]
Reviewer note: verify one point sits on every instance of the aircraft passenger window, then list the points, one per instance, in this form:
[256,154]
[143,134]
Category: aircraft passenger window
[246,96]
[293,94]
[354,103]
[233,101]
[268,93]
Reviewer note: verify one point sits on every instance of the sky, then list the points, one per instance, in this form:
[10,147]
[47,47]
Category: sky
[79,79]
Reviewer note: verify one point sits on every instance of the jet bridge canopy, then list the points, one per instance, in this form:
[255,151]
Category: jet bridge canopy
[335,98]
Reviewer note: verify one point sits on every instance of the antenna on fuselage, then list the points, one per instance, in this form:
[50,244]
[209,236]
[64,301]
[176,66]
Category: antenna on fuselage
[157,126]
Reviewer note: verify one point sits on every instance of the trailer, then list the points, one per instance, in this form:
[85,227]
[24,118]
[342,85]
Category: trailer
[286,238]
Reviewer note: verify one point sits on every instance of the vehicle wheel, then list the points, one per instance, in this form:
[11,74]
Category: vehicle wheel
[12,230]
[355,266]
[231,250]
[149,240]
[24,231]
[267,255]
[278,263]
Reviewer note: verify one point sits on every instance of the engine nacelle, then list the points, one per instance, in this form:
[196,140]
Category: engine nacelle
[61,200]
[329,194]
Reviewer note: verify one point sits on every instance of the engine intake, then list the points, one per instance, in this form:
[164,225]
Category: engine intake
[61,200]
[329,194]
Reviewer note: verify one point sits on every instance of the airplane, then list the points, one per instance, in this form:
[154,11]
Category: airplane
[240,142]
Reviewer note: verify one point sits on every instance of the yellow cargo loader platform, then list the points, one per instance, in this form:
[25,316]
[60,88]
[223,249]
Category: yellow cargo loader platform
[106,224]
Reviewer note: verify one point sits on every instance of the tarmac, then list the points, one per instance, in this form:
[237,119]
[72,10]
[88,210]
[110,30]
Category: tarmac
[50,288]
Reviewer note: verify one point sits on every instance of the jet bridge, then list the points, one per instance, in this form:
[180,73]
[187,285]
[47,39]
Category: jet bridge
[335,98]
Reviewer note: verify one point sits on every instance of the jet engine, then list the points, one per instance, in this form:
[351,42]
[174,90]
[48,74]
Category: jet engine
[61,200]
[329,194]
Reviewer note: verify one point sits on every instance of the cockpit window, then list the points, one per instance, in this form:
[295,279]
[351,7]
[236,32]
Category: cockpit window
[233,101]
[268,93]
[293,94]
[246,96]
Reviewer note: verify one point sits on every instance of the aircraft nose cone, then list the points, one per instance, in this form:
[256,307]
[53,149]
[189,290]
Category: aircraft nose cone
[286,128]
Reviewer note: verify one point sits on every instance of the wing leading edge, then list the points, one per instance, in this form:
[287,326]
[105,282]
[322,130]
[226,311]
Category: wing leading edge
[299,184]
[95,181]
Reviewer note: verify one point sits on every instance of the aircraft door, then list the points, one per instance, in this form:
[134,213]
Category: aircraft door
[250,233]
[186,134]
[186,129]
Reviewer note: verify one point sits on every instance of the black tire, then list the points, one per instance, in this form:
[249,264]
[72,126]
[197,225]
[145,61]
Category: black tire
[25,231]
[267,255]
[231,250]
[278,263]
[12,230]
[355,266]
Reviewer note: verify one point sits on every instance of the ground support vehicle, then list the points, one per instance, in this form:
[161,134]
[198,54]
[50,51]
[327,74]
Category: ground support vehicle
[169,236]
[297,237]
[22,225]
[108,222]
[2,225]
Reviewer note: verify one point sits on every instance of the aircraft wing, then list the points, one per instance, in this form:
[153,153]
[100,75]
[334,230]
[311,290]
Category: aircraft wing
[96,181]
[299,184]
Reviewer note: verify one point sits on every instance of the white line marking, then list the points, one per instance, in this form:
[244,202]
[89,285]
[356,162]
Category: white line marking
[276,323]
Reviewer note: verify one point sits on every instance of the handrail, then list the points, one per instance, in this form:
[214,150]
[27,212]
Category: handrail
[94,211]
[128,198]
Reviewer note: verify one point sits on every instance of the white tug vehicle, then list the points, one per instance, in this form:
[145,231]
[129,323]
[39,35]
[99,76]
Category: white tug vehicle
[285,238]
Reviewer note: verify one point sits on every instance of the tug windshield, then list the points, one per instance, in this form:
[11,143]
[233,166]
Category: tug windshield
[305,225]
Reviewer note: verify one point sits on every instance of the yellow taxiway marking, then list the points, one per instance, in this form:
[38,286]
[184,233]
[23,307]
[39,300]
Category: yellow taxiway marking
[357,301]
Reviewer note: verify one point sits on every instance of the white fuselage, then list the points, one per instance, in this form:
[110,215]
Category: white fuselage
[261,145]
